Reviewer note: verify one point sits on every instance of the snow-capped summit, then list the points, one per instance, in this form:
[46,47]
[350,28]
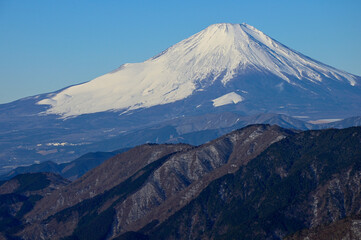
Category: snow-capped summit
[221,53]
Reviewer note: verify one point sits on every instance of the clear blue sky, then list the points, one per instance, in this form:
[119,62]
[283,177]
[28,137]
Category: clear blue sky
[50,44]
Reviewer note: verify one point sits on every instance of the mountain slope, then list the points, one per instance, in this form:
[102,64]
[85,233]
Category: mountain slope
[346,229]
[345,123]
[110,174]
[304,181]
[19,195]
[154,191]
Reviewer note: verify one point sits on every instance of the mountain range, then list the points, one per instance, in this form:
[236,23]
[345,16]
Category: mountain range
[258,182]
[223,78]
[70,170]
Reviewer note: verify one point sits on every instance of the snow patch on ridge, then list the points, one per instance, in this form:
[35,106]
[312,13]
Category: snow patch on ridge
[321,121]
[228,98]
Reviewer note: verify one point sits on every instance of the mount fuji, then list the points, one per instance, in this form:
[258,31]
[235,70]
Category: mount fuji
[216,79]
[223,64]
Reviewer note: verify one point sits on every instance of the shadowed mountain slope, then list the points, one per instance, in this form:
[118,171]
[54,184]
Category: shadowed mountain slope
[19,195]
[304,181]
[146,183]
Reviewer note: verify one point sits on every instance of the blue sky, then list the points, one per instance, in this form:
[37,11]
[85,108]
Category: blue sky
[50,44]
